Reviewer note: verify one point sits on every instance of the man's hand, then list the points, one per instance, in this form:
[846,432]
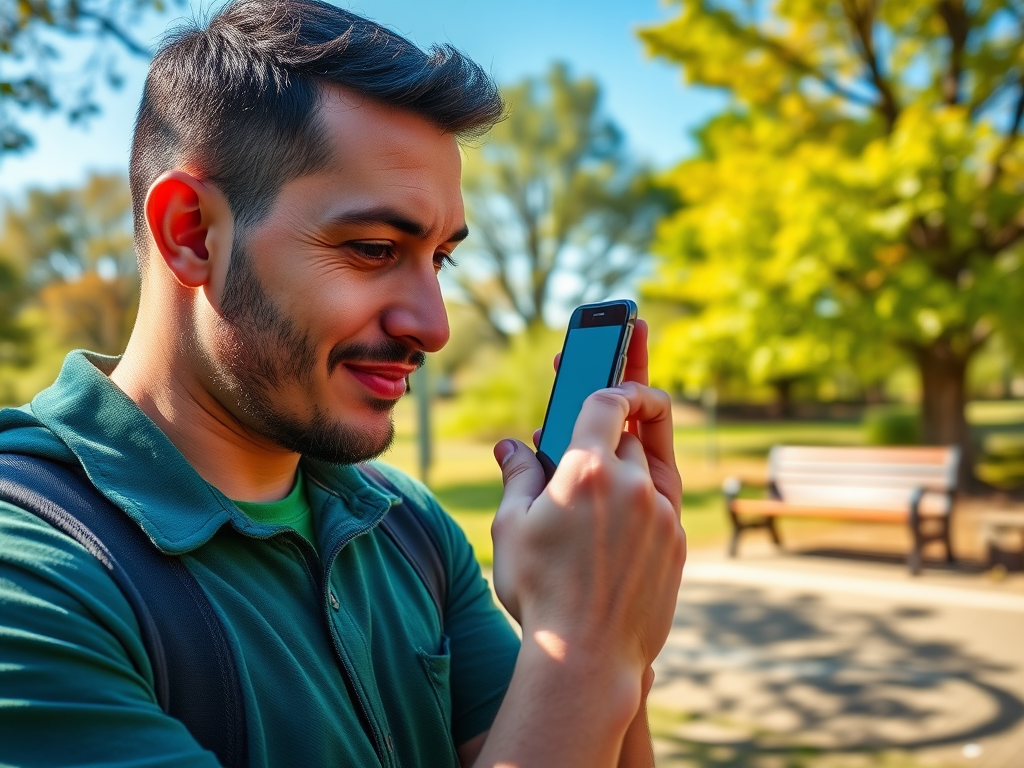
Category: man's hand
[590,564]
[597,555]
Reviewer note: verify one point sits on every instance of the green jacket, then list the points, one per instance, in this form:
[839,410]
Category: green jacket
[343,658]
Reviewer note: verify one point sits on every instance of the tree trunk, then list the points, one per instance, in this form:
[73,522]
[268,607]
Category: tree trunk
[943,400]
[874,393]
[782,407]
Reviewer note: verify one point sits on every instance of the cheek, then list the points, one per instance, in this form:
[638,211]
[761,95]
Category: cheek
[339,309]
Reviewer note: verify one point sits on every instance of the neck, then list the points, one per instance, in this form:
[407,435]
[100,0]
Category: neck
[160,379]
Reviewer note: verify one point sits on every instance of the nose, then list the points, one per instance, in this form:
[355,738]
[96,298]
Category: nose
[418,315]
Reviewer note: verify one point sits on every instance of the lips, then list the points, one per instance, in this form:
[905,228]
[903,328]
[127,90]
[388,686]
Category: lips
[386,381]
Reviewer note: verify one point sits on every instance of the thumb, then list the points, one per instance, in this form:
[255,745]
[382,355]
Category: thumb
[521,474]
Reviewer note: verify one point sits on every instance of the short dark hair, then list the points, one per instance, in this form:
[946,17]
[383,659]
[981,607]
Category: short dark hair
[236,100]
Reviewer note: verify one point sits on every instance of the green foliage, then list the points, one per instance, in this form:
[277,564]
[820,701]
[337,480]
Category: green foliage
[68,279]
[507,393]
[30,34]
[553,196]
[469,335]
[15,336]
[65,233]
[859,202]
[1002,461]
[890,425]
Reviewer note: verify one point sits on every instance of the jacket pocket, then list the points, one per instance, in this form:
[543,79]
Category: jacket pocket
[437,667]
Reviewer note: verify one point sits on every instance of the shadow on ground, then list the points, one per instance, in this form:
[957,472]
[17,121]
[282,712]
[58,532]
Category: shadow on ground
[748,679]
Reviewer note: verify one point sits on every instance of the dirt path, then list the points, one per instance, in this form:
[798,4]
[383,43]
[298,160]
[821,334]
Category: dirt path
[800,660]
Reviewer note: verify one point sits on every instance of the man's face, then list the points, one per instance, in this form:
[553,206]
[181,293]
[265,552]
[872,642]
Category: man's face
[330,301]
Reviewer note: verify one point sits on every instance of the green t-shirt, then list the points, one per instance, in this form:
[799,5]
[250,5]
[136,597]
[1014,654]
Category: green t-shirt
[293,510]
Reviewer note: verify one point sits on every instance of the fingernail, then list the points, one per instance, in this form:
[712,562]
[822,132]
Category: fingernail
[503,451]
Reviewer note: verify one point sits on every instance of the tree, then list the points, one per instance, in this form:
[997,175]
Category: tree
[553,197]
[75,245]
[15,337]
[29,33]
[867,179]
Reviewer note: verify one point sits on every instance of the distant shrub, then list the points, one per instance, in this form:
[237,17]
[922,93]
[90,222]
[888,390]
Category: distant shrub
[1002,461]
[505,393]
[892,425]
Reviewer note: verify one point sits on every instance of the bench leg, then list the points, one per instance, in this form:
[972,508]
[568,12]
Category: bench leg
[914,559]
[947,539]
[916,546]
[734,541]
[737,529]
[773,531]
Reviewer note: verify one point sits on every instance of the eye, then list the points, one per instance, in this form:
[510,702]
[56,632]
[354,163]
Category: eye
[444,261]
[374,251]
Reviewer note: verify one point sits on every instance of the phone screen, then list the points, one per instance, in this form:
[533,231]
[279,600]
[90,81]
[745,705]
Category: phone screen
[588,363]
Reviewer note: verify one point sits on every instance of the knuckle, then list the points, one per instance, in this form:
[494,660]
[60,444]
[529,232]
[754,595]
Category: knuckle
[609,397]
[497,526]
[502,525]
[589,467]
[640,489]
[662,397]
[514,470]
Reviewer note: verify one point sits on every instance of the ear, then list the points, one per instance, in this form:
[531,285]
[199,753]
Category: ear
[182,213]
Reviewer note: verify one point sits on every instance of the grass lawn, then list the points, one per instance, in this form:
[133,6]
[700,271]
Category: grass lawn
[466,479]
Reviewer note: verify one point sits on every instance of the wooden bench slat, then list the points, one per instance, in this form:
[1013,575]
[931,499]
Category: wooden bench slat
[861,496]
[910,455]
[862,484]
[772,508]
[787,476]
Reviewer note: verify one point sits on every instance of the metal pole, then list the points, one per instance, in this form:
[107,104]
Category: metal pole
[709,399]
[421,391]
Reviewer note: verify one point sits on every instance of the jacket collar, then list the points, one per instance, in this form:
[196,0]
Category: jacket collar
[130,460]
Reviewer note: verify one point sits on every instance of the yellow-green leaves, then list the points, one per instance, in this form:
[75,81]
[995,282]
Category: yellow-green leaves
[865,192]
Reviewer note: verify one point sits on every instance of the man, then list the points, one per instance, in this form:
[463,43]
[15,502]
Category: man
[295,178]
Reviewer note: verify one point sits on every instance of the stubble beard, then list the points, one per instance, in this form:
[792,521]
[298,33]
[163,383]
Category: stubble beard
[266,352]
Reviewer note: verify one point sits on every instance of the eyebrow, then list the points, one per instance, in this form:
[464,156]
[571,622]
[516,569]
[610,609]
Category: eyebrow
[395,220]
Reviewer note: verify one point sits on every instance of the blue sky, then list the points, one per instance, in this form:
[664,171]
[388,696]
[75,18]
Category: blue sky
[511,39]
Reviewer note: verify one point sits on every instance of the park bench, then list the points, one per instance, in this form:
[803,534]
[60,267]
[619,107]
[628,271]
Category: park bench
[911,486]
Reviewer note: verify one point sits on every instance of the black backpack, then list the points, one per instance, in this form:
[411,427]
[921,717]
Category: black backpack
[194,668]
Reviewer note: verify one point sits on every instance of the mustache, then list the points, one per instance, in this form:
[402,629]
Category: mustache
[386,351]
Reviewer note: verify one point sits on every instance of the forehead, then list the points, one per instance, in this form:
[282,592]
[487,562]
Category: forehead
[384,155]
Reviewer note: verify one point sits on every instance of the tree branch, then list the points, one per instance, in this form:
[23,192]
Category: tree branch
[481,306]
[863,27]
[1009,235]
[1012,133]
[501,259]
[110,28]
[958,26]
[789,57]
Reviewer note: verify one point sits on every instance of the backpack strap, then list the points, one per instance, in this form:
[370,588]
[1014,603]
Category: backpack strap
[194,668]
[414,539]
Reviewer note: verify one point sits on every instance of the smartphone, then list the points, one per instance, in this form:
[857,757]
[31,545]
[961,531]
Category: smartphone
[593,357]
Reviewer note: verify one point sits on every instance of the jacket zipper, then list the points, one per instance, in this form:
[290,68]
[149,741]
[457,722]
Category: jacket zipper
[378,741]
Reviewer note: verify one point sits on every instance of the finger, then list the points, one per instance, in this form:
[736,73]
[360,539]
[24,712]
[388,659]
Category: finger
[558,360]
[603,417]
[536,437]
[521,474]
[651,410]
[631,451]
[602,420]
[636,356]
[604,414]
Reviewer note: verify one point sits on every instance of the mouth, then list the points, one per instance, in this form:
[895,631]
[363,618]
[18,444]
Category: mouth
[384,380]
